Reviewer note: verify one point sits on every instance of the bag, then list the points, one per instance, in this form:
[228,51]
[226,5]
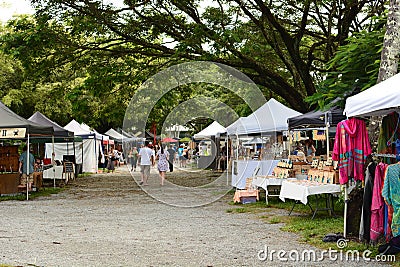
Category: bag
[332,237]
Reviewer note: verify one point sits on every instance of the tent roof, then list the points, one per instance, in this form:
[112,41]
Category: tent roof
[380,99]
[9,119]
[213,129]
[270,117]
[316,118]
[41,119]
[98,135]
[75,127]
[255,140]
[117,136]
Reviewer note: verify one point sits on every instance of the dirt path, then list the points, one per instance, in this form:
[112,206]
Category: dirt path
[107,220]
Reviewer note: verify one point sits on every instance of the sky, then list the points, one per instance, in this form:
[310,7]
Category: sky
[8,8]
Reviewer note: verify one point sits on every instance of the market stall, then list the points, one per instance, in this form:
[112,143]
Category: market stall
[317,122]
[61,135]
[381,181]
[87,152]
[14,127]
[264,123]
[209,147]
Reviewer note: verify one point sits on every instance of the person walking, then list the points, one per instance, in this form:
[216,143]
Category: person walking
[145,160]
[162,166]
[133,156]
[111,162]
[180,155]
[171,152]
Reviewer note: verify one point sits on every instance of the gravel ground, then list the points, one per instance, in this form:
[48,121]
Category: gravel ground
[107,220]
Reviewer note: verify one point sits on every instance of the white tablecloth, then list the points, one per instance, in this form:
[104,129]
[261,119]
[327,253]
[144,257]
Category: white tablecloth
[265,182]
[301,189]
[55,172]
[243,169]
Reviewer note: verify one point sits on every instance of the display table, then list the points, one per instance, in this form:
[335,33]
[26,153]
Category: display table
[243,169]
[299,190]
[60,173]
[9,183]
[265,181]
[245,193]
[55,172]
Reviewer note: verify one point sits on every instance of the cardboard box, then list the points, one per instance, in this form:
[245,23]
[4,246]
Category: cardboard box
[247,200]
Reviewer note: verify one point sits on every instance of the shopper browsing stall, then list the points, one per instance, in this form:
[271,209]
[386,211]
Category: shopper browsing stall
[25,168]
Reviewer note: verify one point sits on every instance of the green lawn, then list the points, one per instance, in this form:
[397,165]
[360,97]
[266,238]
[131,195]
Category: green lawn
[310,231]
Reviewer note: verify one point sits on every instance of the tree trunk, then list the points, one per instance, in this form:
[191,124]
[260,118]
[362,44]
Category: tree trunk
[391,43]
[389,58]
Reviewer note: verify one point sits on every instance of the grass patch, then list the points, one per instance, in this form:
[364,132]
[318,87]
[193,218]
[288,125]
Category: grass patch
[85,174]
[300,222]
[275,220]
[43,192]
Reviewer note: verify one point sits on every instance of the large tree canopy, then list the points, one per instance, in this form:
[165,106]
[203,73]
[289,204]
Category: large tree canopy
[108,50]
[279,44]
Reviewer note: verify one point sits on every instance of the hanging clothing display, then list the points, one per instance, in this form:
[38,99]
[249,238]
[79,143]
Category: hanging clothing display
[377,205]
[365,223]
[391,194]
[389,132]
[351,149]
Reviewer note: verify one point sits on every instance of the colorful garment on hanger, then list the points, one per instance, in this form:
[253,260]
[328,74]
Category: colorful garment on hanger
[391,194]
[365,222]
[377,206]
[351,149]
[389,132]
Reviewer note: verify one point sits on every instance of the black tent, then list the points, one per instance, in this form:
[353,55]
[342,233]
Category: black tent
[14,126]
[317,119]
[41,119]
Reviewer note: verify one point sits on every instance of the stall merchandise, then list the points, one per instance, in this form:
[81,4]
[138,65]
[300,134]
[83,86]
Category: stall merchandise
[14,127]
[351,149]
[381,99]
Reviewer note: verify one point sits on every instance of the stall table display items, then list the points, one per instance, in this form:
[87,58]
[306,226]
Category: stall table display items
[9,175]
[249,195]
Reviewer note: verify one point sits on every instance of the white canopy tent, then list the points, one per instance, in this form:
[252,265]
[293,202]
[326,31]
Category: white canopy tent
[380,99]
[211,130]
[271,117]
[87,152]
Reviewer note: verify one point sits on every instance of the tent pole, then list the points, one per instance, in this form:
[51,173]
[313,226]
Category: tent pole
[73,145]
[345,210]
[227,159]
[27,169]
[327,134]
[53,155]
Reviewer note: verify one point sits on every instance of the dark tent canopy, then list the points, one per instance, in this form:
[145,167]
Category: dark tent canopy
[317,119]
[10,120]
[41,119]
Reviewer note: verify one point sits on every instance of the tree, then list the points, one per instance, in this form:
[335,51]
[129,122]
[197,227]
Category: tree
[391,45]
[280,45]
[354,67]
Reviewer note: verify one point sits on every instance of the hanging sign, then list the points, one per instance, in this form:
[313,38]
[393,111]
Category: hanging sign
[11,133]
